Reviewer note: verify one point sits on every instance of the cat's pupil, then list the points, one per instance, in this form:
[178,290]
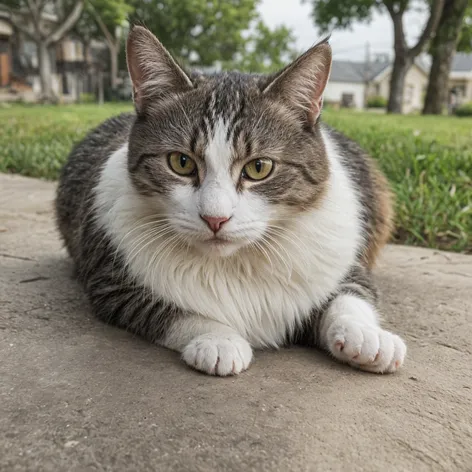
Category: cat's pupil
[183,160]
[258,166]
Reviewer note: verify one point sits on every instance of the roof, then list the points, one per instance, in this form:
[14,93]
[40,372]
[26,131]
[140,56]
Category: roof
[462,62]
[347,71]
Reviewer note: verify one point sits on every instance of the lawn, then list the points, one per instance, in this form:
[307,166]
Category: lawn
[428,160]
[35,140]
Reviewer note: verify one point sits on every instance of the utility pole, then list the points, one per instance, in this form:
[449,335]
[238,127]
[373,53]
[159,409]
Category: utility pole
[367,73]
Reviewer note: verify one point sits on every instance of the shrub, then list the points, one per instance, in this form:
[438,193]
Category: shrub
[376,102]
[87,98]
[464,110]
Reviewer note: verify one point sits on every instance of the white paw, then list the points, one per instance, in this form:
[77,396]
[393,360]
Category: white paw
[218,354]
[365,346]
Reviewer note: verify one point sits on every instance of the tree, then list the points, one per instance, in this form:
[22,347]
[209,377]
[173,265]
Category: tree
[465,36]
[266,50]
[104,19]
[42,31]
[342,14]
[443,48]
[198,31]
[110,16]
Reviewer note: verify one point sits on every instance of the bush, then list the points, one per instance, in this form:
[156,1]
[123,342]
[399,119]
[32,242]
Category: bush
[376,102]
[87,98]
[464,110]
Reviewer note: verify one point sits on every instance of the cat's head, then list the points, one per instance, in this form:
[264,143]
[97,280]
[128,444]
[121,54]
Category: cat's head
[227,159]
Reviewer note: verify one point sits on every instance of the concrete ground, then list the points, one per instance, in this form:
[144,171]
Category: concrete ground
[76,395]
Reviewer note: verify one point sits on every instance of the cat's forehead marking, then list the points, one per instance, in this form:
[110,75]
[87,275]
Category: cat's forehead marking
[219,150]
[223,124]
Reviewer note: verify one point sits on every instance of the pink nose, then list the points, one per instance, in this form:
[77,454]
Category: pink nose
[214,222]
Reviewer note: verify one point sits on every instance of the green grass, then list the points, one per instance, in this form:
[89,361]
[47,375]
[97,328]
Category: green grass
[35,140]
[428,160]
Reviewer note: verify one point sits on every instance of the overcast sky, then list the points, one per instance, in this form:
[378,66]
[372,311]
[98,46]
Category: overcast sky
[346,44]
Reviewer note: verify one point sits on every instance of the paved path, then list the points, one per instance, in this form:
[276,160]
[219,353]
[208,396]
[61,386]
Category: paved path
[76,395]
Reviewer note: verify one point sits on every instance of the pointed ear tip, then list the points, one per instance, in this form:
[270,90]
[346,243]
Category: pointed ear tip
[138,28]
[133,33]
[142,34]
[138,31]
[324,44]
[325,50]
[328,50]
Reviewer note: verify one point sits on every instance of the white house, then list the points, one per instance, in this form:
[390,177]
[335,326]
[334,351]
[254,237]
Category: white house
[460,78]
[72,66]
[351,83]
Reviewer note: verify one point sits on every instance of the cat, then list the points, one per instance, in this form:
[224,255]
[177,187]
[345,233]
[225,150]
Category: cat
[223,216]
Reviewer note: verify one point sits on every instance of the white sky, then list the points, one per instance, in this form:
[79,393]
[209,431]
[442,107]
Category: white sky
[346,44]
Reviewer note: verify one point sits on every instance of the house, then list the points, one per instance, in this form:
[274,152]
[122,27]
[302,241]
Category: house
[460,78]
[352,83]
[72,66]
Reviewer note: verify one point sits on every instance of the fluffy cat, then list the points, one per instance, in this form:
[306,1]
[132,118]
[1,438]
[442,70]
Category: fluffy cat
[223,217]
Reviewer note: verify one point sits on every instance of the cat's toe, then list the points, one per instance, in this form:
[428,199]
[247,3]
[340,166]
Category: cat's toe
[218,355]
[366,347]
[391,354]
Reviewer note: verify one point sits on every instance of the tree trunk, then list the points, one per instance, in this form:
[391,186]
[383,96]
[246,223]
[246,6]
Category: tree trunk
[401,65]
[443,50]
[113,68]
[101,99]
[404,56]
[45,72]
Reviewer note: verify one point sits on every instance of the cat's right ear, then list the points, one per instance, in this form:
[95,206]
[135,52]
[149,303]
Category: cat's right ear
[302,83]
[153,71]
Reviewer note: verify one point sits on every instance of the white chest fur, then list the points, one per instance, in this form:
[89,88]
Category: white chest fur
[262,296]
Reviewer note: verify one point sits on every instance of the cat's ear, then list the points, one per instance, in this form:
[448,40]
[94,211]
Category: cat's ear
[301,84]
[153,71]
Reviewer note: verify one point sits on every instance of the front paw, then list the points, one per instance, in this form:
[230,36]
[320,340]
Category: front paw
[365,346]
[217,354]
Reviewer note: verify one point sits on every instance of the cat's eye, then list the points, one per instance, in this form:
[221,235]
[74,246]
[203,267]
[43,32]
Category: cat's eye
[258,169]
[182,164]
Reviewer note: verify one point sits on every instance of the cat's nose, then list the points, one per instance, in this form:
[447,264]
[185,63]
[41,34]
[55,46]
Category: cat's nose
[214,222]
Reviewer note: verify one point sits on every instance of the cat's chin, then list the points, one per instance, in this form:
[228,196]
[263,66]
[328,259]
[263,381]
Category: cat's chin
[218,247]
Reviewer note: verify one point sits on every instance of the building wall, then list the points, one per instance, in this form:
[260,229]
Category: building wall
[70,50]
[468,91]
[416,82]
[35,81]
[5,28]
[461,88]
[335,90]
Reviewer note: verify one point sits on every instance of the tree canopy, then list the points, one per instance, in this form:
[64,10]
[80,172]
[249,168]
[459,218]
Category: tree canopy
[465,36]
[202,32]
[112,13]
[265,50]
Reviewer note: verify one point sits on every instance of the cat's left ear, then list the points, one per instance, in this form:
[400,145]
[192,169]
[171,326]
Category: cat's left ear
[301,84]
[153,71]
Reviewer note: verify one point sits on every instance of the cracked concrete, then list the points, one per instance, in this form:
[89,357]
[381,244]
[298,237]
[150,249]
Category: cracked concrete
[76,395]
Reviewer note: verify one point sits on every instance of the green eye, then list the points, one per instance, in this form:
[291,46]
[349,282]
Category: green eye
[182,164]
[258,169]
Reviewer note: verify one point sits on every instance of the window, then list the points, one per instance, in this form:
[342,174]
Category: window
[347,100]
[30,54]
